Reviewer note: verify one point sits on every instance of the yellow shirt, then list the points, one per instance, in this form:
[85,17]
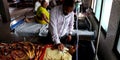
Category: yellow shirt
[45,12]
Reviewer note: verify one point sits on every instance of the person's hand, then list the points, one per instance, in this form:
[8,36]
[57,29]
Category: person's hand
[58,46]
[72,49]
[69,38]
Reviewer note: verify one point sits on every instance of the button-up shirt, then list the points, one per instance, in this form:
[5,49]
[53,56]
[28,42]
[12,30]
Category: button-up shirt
[60,24]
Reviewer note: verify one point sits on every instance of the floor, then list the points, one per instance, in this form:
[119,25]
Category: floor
[85,51]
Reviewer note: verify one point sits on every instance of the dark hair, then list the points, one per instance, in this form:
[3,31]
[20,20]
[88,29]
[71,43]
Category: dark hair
[42,2]
[68,3]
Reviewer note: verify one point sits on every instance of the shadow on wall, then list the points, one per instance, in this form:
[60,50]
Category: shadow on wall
[5,32]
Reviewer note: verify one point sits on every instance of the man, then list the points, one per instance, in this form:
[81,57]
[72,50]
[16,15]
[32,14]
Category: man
[61,23]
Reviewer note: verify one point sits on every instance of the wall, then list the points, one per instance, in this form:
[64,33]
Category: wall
[87,3]
[107,43]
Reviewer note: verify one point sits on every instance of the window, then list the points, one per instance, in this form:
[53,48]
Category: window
[98,9]
[102,10]
[93,6]
[106,10]
[118,45]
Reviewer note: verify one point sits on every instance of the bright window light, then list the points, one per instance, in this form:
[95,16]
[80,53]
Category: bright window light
[98,9]
[106,10]
[94,5]
[118,46]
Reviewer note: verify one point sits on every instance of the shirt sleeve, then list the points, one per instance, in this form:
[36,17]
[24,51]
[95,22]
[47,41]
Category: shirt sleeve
[53,26]
[71,24]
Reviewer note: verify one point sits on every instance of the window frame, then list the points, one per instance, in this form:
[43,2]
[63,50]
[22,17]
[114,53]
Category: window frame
[116,42]
[100,16]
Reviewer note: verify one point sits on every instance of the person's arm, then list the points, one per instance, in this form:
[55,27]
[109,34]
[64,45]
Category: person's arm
[44,18]
[71,23]
[53,27]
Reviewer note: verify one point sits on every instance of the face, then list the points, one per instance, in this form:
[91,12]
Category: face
[67,10]
[45,4]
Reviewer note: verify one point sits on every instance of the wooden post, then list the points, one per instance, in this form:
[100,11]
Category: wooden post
[4,11]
